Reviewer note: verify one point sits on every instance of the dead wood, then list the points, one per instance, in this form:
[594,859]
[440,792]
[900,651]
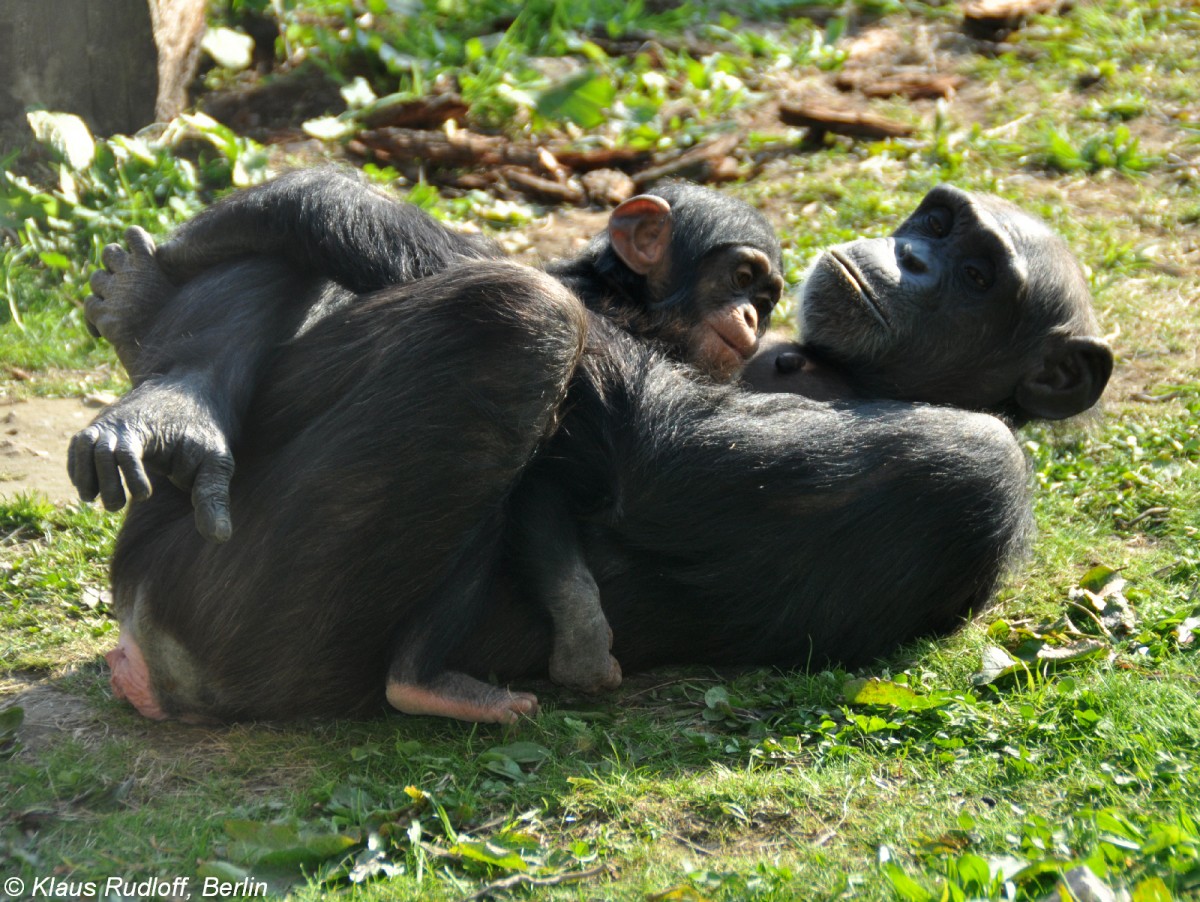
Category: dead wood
[707,162]
[425,113]
[992,19]
[819,118]
[608,187]
[543,189]
[912,85]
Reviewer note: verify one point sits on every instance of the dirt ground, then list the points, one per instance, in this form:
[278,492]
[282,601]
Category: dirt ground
[34,433]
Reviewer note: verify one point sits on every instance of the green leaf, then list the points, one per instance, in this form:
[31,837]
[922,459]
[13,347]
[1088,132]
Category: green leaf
[67,135]
[585,99]
[523,752]
[490,854]
[55,260]
[904,885]
[1096,578]
[996,663]
[884,692]
[224,871]
[717,706]
[501,766]
[974,869]
[1151,889]
[283,845]
[680,893]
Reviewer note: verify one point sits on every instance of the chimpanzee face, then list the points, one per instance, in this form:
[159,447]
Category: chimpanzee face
[964,300]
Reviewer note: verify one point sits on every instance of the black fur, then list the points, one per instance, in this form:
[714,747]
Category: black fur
[390,439]
[723,527]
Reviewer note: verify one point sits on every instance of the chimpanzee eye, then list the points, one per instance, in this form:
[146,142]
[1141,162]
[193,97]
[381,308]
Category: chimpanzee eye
[743,276]
[979,273]
[938,221]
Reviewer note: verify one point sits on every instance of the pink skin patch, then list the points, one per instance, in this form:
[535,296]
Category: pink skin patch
[130,678]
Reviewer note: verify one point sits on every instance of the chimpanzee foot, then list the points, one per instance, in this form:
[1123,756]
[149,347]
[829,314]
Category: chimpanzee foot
[128,294]
[583,662]
[461,697]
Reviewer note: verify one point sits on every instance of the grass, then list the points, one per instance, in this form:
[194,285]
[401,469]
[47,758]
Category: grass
[938,780]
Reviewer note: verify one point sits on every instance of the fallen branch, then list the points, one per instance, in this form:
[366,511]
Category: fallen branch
[1148,398]
[426,113]
[707,162]
[542,189]
[459,148]
[988,19]
[912,85]
[819,119]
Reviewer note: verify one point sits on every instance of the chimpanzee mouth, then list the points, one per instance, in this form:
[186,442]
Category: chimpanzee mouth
[862,287]
[737,343]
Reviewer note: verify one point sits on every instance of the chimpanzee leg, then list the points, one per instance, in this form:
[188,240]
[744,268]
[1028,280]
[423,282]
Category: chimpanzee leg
[416,684]
[545,543]
[127,296]
[377,462]
[326,222]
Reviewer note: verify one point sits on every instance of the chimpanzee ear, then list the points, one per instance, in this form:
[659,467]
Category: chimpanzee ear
[1071,379]
[640,232]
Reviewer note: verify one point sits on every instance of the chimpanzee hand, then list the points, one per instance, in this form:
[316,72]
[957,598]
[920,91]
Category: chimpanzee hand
[163,428]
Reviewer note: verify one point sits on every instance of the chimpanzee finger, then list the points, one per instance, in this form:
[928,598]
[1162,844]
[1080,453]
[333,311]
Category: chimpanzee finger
[89,314]
[139,242]
[129,459]
[99,282]
[112,492]
[80,465]
[113,257]
[210,497]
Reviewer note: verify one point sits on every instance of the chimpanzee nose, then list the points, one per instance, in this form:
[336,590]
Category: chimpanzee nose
[750,315]
[911,259]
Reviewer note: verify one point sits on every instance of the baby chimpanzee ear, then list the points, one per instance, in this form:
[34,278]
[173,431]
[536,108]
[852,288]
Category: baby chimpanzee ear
[640,232]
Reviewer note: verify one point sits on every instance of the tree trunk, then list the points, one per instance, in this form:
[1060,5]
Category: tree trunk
[98,60]
[178,27]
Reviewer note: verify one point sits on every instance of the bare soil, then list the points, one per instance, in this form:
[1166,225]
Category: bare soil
[34,433]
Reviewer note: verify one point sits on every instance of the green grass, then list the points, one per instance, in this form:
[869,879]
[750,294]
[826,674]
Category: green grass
[691,784]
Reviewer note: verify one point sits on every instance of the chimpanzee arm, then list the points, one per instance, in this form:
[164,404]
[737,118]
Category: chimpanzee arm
[323,221]
[195,372]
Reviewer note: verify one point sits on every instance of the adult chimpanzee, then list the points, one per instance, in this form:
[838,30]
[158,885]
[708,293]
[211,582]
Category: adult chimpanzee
[661,270]
[658,440]
[984,311]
